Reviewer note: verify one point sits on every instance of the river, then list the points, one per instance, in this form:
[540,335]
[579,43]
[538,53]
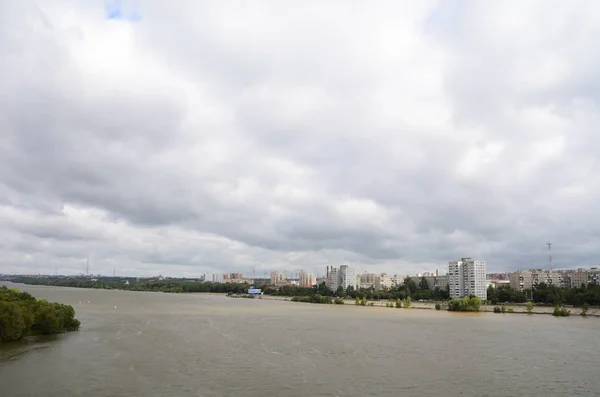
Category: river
[155,344]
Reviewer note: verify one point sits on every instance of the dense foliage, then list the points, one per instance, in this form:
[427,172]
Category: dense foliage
[313,299]
[409,289]
[464,304]
[132,284]
[548,295]
[21,315]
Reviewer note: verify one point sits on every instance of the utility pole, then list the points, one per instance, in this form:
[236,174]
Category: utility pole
[87,266]
[549,256]
[113,272]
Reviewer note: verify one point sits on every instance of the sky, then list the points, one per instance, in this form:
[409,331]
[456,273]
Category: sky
[185,137]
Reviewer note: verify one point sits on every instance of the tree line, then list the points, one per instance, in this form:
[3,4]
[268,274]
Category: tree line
[547,295]
[22,315]
[408,289]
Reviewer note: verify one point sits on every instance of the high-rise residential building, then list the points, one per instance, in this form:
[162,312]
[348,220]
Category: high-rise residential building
[212,277]
[277,278]
[306,280]
[343,276]
[466,277]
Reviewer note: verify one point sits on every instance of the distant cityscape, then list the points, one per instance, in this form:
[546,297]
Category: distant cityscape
[464,277]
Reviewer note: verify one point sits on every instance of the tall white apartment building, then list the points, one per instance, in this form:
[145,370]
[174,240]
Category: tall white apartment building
[343,276]
[467,277]
[212,277]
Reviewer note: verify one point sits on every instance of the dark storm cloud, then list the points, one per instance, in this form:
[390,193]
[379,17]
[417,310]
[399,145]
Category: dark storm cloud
[221,138]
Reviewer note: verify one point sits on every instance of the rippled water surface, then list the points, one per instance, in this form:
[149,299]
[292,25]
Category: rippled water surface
[154,344]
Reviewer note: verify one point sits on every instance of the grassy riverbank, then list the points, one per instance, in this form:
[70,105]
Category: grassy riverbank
[517,308]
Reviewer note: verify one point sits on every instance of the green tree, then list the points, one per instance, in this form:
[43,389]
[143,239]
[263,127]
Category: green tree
[410,286]
[423,285]
[12,323]
[339,291]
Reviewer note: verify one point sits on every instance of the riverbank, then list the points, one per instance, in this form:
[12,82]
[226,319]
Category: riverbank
[517,308]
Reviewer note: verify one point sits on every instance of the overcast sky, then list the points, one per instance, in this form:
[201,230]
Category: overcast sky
[185,137]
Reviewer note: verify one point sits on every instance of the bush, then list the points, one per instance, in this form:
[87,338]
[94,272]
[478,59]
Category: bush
[510,310]
[316,298]
[338,301]
[503,309]
[497,310]
[529,307]
[407,302]
[398,303]
[584,309]
[560,312]
[438,306]
[464,304]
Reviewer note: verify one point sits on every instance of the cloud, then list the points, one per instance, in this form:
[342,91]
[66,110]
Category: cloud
[229,137]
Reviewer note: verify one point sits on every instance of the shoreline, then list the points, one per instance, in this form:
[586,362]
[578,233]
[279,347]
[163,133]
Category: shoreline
[517,308]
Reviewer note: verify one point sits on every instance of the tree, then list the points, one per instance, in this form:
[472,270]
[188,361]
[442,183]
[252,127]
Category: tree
[12,323]
[410,286]
[339,291]
[423,285]
[350,291]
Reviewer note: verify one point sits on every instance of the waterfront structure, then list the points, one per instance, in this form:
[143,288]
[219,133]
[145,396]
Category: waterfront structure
[466,277]
[343,276]
[306,280]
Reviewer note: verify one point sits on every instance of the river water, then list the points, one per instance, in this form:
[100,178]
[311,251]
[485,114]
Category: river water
[154,344]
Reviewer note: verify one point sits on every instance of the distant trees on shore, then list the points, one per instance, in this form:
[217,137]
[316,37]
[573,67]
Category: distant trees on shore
[547,295]
[22,315]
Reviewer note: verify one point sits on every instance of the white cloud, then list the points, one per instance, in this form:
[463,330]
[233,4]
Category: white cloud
[228,137]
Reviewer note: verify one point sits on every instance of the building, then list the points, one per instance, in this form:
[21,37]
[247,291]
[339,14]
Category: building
[366,280]
[528,279]
[466,277]
[433,282]
[344,277]
[277,278]
[212,277]
[578,278]
[306,280]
